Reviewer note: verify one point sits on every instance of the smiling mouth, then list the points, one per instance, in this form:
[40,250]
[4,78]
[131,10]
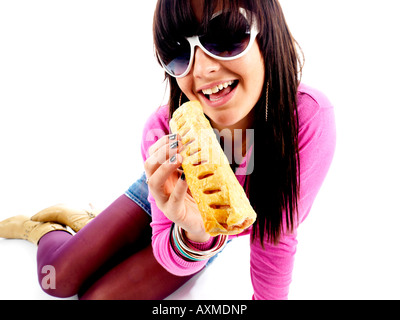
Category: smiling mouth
[219,91]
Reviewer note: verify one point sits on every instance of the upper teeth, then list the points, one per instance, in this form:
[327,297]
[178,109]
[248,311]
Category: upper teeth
[217,87]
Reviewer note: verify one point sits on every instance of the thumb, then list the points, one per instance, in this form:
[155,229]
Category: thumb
[178,194]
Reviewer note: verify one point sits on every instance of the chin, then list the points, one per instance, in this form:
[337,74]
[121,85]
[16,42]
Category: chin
[224,123]
[229,119]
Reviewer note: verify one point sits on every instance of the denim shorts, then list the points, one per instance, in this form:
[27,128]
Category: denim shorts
[139,191]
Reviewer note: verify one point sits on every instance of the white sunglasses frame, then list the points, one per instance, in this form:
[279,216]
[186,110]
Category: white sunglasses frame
[195,41]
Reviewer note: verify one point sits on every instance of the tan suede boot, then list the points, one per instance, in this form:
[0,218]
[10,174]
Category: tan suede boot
[22,227]
[73,218]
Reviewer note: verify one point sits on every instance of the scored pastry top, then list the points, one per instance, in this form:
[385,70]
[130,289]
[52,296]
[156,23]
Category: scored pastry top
[221,199]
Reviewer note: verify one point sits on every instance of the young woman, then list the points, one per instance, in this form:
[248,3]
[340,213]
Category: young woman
[239,60]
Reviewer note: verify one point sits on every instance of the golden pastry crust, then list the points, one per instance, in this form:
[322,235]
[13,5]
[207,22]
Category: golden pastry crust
[221,199]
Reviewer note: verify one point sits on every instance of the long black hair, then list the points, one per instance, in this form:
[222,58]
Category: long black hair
[273,186]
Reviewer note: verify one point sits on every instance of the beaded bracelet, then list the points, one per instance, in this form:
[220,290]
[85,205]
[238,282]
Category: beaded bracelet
[181,246]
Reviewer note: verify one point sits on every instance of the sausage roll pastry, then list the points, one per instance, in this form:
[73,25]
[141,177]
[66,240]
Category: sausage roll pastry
[221,199]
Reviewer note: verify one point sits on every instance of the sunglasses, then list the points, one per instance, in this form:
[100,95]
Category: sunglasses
[221,41]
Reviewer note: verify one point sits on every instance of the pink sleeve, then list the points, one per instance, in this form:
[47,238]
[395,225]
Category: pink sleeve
[155,128]
[271,268]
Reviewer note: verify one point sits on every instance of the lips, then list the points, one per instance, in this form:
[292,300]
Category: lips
[219,91]
[218,87]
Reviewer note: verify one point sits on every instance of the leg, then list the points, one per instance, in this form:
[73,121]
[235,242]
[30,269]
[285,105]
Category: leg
[76,258]
[139,277]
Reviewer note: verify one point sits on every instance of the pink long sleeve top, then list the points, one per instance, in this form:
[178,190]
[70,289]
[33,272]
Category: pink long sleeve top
[271,267]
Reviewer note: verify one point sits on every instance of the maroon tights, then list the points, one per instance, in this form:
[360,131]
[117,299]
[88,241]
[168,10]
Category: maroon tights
[110,258]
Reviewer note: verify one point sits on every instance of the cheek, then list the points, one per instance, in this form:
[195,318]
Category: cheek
[254,73]
[185,85]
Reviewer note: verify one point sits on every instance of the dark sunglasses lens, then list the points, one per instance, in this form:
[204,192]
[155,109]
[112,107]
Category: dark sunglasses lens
[226,36]
[176,57]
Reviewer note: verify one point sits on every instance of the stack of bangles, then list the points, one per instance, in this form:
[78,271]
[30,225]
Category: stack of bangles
[182,247]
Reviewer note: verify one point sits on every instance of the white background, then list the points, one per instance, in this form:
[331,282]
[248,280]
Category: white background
[78,79]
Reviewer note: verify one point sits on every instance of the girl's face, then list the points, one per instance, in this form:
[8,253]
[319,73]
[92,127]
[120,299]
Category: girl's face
[239,82]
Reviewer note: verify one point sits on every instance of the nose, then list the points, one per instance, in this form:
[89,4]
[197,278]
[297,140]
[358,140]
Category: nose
[203,64]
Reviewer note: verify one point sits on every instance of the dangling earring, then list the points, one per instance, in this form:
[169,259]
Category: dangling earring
[180,100]
[266,106]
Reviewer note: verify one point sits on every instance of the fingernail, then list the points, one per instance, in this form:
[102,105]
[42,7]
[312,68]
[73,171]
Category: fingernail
[174,145]
[172,136]
[173,158]
[183,177]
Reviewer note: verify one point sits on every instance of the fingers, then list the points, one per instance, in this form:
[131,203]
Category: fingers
[162,142]
[162,167]
[164,176]
[166,172]
[162,150]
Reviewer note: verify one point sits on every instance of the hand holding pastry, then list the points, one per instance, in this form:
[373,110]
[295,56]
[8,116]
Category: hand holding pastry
[169,190]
